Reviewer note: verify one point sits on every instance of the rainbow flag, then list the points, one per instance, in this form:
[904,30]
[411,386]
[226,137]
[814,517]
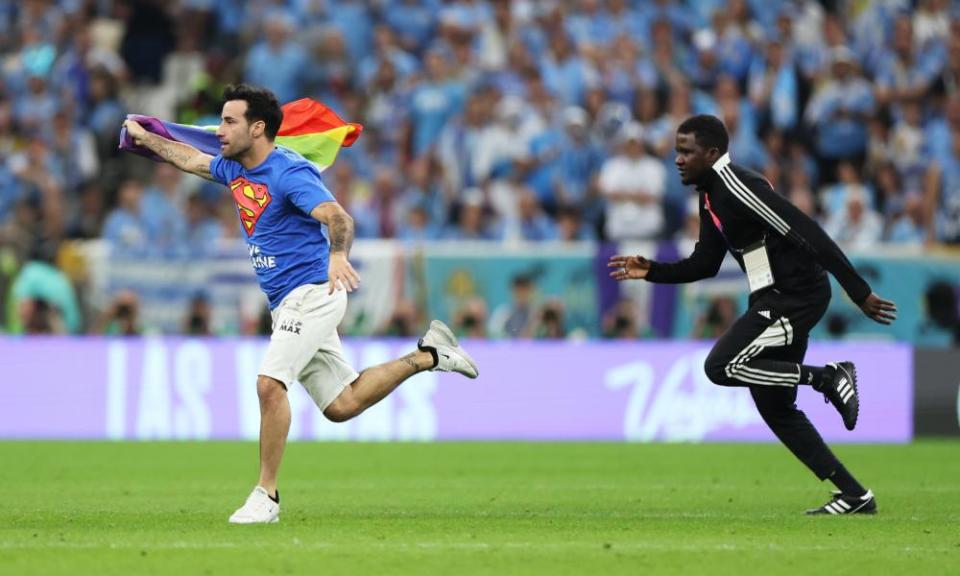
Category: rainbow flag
[308,127]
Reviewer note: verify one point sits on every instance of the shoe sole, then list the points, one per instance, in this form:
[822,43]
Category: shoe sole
[852,377]
[451,341]
[273,521]
[856,511]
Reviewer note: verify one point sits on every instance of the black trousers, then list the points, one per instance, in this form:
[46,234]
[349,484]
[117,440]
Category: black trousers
[763,350]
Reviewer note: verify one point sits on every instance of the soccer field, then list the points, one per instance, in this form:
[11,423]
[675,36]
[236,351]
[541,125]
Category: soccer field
[464,508]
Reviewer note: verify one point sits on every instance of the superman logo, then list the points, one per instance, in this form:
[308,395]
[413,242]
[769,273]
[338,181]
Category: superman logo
[252,200]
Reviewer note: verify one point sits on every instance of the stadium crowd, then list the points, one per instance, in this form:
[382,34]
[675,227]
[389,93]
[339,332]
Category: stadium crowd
[492,120]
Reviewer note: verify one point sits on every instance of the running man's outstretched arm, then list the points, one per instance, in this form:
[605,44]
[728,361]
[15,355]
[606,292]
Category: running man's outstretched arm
[183,156]
[340,273]
[705,261]
[779,215]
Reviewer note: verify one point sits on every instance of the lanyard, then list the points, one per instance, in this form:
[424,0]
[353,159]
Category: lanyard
[716,220]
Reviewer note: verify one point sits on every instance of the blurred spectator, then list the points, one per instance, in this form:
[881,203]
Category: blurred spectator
[35,112]
[386,118]
[905,72]
[203,227]
[744,143]
[38,175]
[38,316]
[386,51]
[856,224]
[942,309]
[579,161]
[907,145]
[931,21]
[106,111]
[85,219]
[354,194]
[799,191]
[620,322]
[198,318]
[833,198]
[633,185]
[571,228]
[690,232]
[183,68]
[426,185]
[406,320]
[818,40]
[460,142]
[942,195]
[838,112]
[532,224]
[473,221]
[124,227]
[328,69]
[162,209]
[503,153]
[720,314]
[647,110]
[75,151]
[470,321]
[774,89]
[44,298]
[277,61]
[417,227]
[434,101]
[385,203]
[888,191]
[413,21]
[938,135]
[148,38]
[948,82]
[549,322]
[564,71]
[908,224]
[122,316]
[513,319]
[670,58]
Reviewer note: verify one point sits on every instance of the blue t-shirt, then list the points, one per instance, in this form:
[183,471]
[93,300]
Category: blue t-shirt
[288,247]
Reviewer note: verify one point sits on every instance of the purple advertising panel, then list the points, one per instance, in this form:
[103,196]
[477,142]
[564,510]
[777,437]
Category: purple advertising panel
[180,388]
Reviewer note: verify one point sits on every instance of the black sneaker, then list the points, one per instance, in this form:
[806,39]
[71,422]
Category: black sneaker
[843,504]
[841,391]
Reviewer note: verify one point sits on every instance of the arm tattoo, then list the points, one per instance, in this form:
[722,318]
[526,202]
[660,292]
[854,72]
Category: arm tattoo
[341,232]
[183,156]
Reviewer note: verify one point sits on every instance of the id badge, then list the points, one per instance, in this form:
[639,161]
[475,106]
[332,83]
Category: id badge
[757,264]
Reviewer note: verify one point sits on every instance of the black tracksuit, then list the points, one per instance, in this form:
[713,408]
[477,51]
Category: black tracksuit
[765,347]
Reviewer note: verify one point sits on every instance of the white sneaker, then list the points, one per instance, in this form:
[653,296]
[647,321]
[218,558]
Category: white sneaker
[258,509]
[450,356]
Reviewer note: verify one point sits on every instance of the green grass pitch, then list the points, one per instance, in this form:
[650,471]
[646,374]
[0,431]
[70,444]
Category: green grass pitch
[472,508]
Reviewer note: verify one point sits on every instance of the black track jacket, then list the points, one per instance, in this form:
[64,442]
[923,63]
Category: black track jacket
[738,208]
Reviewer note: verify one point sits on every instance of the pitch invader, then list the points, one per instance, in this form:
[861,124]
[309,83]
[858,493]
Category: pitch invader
[306,274]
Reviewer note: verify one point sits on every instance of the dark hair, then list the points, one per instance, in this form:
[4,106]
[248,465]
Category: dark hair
[262,104]
[522,281]
[708,131]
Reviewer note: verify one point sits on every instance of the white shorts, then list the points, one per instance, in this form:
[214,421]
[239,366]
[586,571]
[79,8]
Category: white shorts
[305,346]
